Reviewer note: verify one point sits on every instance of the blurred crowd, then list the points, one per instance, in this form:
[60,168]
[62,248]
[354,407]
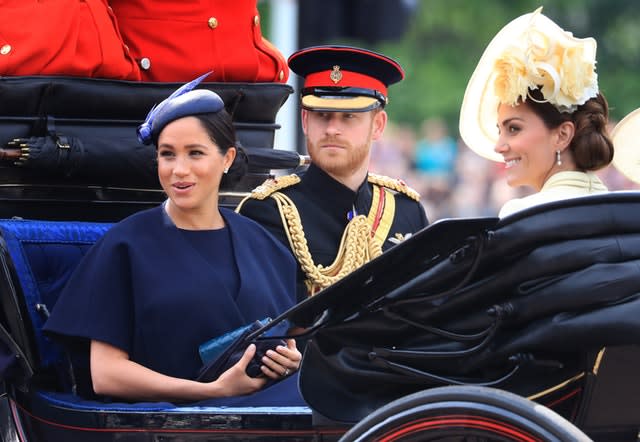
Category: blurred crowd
[452,180]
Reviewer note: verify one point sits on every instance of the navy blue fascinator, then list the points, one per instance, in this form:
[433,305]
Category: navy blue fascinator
[183,102]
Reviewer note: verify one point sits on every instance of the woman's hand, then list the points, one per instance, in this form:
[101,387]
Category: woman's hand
[282,361]
[235,381]
[114,374]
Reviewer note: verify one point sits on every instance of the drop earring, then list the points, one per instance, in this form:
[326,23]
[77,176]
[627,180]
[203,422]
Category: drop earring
[226,169]
[558,159]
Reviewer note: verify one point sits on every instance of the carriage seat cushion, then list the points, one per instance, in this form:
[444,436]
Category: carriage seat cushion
[44,254]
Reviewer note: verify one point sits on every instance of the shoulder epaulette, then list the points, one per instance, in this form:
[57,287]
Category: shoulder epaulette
[394,184]
[272,185]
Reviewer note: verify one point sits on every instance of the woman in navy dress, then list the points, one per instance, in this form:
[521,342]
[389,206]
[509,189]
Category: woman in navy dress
[165,280]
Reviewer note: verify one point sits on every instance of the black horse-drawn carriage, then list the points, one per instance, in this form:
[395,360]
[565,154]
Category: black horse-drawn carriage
[473,329]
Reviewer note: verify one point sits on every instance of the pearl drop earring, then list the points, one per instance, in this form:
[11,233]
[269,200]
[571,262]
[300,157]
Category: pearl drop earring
[558,159]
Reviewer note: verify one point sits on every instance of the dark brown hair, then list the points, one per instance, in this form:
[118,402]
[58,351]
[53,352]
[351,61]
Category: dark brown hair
[591,146]
[219,127]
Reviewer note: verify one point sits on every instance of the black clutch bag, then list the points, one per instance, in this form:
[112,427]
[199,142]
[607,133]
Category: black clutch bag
[221,353]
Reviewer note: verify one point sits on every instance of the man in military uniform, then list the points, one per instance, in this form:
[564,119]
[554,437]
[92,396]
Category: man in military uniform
[337,216]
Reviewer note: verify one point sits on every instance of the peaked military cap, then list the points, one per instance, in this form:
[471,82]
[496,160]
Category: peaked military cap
[344,78]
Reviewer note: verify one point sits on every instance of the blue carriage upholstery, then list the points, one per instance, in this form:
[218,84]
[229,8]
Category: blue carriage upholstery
[42,256]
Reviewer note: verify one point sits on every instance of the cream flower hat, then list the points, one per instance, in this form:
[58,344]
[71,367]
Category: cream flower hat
[529,52]
[626,146]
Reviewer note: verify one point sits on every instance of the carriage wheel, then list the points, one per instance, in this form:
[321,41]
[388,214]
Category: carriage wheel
[464,413]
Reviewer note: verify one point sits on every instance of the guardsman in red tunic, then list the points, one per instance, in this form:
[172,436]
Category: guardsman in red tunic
[178,40]
[62,37]
[337,216]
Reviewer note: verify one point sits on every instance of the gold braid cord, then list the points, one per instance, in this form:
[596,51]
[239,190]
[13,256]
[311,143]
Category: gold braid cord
[357,247]
[268,187]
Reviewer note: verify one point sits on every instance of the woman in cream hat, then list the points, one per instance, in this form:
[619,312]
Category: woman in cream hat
[533,103]
[625,138]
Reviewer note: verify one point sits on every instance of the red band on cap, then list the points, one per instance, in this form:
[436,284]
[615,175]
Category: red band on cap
[348,79]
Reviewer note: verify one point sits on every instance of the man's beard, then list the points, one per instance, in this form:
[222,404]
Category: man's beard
[340,165]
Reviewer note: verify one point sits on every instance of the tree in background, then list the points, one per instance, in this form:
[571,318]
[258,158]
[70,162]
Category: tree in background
[439,42]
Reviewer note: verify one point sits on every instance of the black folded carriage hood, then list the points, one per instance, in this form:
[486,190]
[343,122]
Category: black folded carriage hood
[522,303]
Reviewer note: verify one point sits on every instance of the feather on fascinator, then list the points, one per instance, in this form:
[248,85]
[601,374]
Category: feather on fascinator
[530,52]
[178,105]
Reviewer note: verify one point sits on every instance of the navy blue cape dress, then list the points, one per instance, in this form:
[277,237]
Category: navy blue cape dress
[145,289]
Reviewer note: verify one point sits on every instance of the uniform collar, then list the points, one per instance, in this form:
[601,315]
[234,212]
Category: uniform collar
[332,193]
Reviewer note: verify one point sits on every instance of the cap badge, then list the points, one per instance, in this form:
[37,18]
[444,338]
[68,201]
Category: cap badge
[336,75]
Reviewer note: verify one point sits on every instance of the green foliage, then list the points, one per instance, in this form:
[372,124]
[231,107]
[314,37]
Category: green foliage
[446,38]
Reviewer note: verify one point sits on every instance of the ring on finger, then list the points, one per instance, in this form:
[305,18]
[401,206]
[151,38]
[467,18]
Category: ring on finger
[286,372]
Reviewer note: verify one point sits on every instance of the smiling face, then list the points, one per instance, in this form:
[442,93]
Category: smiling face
[190,167]
[340,142]
[529,147]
